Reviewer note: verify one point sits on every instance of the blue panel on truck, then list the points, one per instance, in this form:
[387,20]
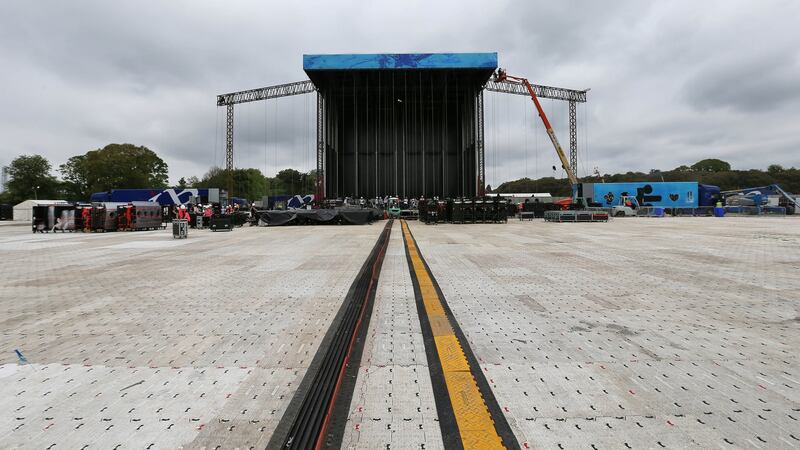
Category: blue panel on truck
[667,195]
[401,61]
[165,197]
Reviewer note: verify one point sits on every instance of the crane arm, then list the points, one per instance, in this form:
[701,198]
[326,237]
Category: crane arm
[772,189]
[502,76]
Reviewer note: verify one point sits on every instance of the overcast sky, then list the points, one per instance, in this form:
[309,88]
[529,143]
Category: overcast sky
[671,82]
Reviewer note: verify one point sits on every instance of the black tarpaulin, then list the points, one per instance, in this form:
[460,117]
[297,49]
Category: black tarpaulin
[319,216]
[356,216]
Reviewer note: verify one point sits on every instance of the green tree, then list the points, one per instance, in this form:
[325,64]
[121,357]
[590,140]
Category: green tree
[247,183]
[291,181]
[29,177]
[775,169]
[788,179]
[115,166]
[74,173]
[711,165]
[182,183]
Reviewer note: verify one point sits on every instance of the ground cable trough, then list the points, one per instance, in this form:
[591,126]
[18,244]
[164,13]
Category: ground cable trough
[469,415]
[317,414]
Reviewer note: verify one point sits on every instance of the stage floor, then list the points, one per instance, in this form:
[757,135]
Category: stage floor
[679,332]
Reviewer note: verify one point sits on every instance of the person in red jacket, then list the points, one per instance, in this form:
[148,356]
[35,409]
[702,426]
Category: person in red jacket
[128,217]
[183,214]
[86,216]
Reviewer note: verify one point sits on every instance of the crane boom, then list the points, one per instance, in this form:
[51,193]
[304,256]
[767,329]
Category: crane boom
[502,76]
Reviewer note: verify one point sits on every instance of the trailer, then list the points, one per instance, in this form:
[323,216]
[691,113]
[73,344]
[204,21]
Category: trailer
[57,217]
[164,197]
[105,216]
[139,216]
[672,195]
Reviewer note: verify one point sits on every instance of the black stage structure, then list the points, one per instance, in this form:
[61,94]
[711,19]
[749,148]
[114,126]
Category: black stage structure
[407,125]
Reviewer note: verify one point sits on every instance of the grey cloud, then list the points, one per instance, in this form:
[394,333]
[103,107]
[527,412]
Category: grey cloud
[672,82]
[761,83]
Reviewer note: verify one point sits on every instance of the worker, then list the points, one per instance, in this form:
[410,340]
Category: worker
[87,218]
[128,217]
[253,214]
[183,214]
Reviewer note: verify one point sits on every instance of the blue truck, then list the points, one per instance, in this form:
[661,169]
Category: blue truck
[671,194]
[164,197]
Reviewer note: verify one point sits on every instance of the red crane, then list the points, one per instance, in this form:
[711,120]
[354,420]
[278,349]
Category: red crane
[502,76]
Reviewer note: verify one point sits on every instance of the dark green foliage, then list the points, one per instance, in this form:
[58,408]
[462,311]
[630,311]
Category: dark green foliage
[711,165]
[247,183]
[788,179]
[253,185]
[29,177]
[115,166]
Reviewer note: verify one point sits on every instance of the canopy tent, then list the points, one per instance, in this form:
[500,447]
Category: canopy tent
[24,211]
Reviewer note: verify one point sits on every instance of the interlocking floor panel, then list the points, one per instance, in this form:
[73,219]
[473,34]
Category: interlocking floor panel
[393,405]
[673,333]
[137,340]
[639,333]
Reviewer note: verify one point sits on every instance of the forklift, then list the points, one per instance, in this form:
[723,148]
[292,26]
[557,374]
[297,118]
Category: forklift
[627,207]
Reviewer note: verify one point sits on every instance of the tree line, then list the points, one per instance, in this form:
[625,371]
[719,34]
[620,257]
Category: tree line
[708,171]
[128,166]
[252,184]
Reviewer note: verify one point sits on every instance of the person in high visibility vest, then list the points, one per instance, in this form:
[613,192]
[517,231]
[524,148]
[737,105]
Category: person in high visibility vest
[86,216]
[128,217]
[183,214]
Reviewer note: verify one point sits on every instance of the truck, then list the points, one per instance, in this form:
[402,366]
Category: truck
[677,194]
[164,197]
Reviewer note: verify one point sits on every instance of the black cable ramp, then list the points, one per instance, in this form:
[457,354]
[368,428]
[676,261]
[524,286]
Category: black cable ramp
[317,414]
[470,417]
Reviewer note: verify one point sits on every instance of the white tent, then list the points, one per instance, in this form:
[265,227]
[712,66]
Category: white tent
[24,211]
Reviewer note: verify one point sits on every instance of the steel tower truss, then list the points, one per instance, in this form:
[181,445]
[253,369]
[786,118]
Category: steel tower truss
[307,87]
[556,93]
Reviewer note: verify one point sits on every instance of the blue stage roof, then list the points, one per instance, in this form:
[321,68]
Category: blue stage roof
[401,61]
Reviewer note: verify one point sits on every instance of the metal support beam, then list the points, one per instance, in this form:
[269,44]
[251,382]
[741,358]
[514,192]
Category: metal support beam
[481,190]
[569,95]
[556,93]
[229,152]
[320,191]
[229,139]
[573,139]
[252,95]
[266,93]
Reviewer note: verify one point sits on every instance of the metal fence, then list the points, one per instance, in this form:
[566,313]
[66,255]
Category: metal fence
[576,216]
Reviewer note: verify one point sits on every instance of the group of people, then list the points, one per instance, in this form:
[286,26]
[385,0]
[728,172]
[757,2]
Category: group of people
[194,214]
[199,216]
[382,202]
